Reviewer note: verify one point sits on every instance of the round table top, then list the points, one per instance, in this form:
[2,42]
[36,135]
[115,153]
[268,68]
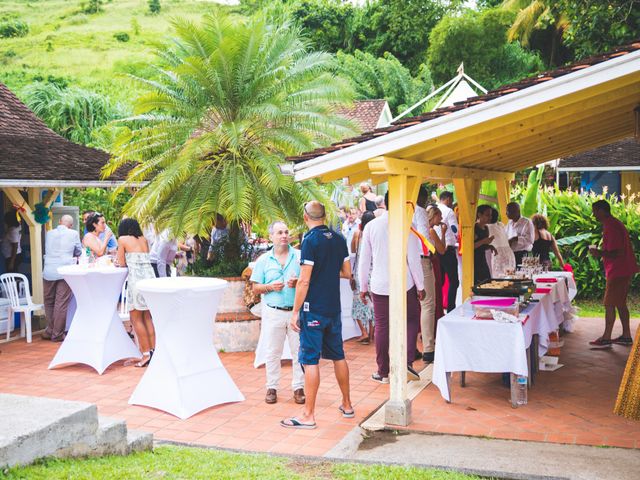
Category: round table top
[86,270]
[175,284]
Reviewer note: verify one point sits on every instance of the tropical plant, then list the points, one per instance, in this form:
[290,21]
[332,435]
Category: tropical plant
[13,28]
[100,200]
[154,7]
[386,78]
[71,112]
[233,97]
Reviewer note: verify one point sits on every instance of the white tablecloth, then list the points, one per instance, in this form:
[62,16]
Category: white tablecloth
[96,336]
[464,344]
[185,375]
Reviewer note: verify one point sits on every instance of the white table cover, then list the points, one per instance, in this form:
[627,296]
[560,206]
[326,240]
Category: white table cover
[185,375]
[96,336]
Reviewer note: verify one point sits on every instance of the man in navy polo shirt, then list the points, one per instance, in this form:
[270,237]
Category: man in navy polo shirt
[316,311]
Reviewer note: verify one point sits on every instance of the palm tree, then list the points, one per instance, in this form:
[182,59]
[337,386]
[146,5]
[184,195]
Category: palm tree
[537,16]
[233,97]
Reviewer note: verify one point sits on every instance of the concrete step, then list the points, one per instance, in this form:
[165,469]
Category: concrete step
[34,427]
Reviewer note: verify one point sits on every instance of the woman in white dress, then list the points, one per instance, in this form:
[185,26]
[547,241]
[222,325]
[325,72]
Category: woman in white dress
[503,260]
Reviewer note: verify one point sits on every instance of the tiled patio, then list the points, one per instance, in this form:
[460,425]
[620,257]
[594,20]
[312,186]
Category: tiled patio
[571,405]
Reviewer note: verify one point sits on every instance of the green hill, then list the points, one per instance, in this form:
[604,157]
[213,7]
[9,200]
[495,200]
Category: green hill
[65,44]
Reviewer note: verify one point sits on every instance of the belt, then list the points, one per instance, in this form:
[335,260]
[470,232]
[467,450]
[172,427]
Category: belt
[427,257]
[286,309]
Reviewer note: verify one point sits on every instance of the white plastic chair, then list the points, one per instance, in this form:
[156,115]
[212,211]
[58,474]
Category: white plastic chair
[10,284]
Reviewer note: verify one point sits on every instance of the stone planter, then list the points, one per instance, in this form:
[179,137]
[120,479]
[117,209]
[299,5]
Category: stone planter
[236,328]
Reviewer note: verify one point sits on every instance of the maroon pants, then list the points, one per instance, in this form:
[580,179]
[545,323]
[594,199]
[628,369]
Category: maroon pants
[381,316]
[57,296]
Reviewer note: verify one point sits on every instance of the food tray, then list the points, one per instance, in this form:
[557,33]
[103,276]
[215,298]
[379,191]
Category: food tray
[482,307]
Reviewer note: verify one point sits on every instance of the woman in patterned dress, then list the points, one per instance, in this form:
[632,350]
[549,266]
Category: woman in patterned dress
[361,312]
[133,252]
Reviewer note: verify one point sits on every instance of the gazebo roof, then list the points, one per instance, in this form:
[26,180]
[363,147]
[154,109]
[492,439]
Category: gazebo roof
[367,114]
[33,155]
[622,155]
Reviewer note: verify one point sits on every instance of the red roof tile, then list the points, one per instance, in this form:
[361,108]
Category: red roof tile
[617,155]
[365,113]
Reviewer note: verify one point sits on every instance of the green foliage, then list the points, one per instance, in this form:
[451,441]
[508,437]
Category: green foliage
[13,28]
[327,23]
[121,36]
[530,200]
[71,112]
[135,26]
[384,77]
[479,40]
[573,224]
[154,7]
[233,98]
[101,200]
[596,27]
[92,6]
[229,257]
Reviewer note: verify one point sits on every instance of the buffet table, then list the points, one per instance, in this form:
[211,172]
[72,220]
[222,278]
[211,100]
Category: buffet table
[96,336]
[464,343]
[185,374]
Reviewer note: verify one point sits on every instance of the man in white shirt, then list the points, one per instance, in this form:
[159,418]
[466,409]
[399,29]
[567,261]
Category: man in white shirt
[62,245]
[163,253]
[428,303]
[520,232]
[374,258]
[381,206]
[449,261]
[350,226]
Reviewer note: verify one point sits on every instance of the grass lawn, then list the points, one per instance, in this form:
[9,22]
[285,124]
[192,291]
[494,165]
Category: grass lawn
[193,463]
[594,308]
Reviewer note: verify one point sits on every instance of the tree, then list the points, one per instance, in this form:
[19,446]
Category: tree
[327,23]
[479,40]
[540,25]
[71,112]
[384,78]
[232,99]
[596,27]
[154,7]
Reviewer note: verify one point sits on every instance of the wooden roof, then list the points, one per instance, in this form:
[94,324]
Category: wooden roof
[622,155]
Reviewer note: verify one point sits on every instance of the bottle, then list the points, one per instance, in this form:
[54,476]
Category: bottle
[518,390]
[83,259]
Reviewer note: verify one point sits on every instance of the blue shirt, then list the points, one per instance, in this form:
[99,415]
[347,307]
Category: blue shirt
[268,270]
[326,250]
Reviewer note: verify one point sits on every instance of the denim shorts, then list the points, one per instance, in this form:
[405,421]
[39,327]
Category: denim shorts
[320,336]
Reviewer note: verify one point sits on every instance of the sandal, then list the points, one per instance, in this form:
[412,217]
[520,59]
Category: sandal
[347,413]
[627,341]
[143,363]
[601,343]
[295,423]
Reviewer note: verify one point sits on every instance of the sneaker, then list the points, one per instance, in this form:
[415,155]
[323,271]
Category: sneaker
[601,343]
[376,377]
[627,341]
[412,375]
[427,357]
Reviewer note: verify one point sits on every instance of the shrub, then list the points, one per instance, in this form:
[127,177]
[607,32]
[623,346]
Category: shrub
[154,7]
[79,19]
[121,36]
[13,28]
[92,6]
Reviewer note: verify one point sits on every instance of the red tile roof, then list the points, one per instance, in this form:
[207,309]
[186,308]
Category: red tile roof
[617,155]
[29,150]
[365,113]
[499,92]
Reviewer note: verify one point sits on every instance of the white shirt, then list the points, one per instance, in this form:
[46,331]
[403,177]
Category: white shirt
[163,252]
[523,229]
[420,221]
[450,220]
[375,246]
[61,246]
[348,229]
[12,235]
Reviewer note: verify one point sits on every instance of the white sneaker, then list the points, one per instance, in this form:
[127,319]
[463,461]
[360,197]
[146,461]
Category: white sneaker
[377,378]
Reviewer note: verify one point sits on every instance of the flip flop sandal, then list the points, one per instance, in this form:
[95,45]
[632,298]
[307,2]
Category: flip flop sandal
[628,341]
[345,413]
[295,423]
[601,343]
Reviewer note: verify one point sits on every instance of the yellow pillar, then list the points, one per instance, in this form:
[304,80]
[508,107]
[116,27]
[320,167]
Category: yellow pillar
[467,193]
[504,194]
[35,236]
[401,189]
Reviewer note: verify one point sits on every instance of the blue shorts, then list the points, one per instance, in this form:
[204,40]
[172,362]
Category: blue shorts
[320,336]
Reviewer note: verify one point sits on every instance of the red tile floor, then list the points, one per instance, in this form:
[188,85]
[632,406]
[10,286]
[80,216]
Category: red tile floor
[571,405]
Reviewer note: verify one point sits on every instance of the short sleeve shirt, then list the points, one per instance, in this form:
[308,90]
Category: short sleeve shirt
[326,251]
[616,237]
[268,270]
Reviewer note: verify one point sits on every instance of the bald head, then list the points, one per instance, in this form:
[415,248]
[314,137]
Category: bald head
[67,221]
[314,210]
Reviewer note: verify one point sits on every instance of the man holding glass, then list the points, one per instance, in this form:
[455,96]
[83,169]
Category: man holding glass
[274,276]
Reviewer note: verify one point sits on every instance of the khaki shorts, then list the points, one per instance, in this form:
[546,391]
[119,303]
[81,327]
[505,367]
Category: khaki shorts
[616,291]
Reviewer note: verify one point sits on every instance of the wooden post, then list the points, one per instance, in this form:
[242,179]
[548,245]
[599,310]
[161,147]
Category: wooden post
[398,408]
[467,193]
[35,236]
[504,192]
[48,200]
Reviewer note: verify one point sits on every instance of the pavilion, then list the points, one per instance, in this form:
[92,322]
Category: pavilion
[36,164]
[569,110]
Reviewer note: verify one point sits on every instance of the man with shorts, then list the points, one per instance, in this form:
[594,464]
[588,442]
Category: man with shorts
[324,259]
[619,268]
